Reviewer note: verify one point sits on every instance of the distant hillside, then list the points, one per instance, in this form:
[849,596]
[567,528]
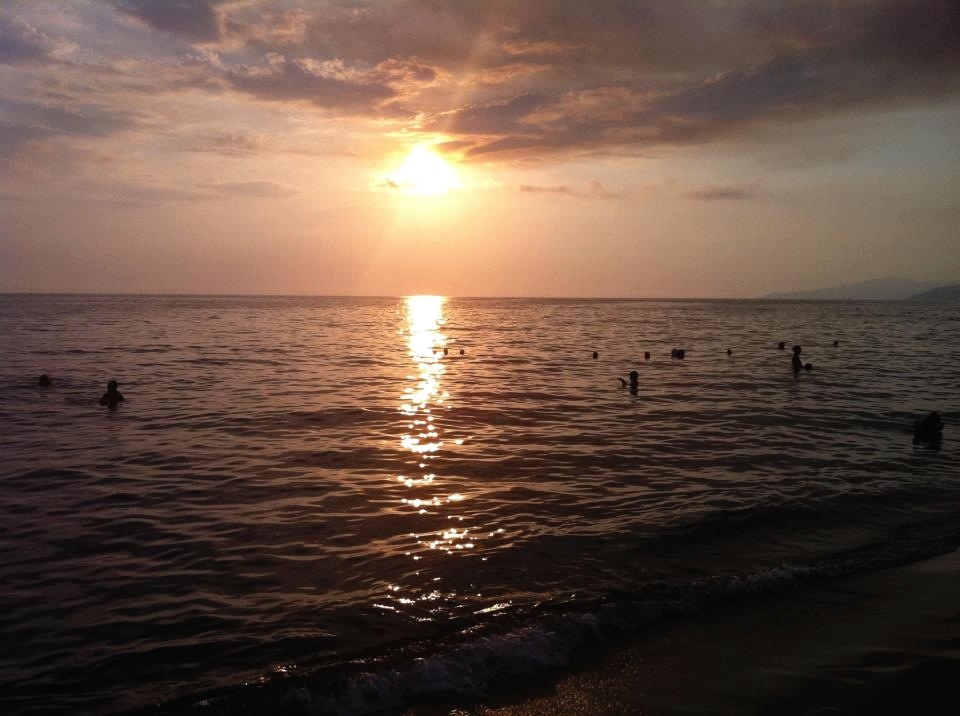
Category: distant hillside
[944,294]
[878,289]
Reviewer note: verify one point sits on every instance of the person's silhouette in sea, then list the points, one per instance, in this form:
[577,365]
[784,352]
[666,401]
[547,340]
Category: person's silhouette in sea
[646,355]
[43,381]
[113,397]
[595,355]
[928,429]
[797,364]
[781,345]
[729,352]
[634,382]
[678,353]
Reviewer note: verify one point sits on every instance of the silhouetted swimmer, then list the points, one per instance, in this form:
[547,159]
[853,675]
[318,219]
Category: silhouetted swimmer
[461,351]
[43,381]
[795,362]
[836,343]
[729,352]
[112,397]
[678,353]
[928,429]
[781,345]
[445,351]
[646,355]
[634,382]
[595,355]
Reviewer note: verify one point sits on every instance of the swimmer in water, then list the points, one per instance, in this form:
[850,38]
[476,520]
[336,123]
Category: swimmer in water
[729,352]
[781,345]
[646,355]
[595,355]
[112,397]
[795,362]
[634,382]
[928,429]
[43,381]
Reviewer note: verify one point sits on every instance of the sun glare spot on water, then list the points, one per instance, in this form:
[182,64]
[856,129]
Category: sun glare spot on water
[423,173]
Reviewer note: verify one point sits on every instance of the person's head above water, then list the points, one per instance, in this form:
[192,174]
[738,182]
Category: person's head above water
[634,376]
[595,355]
[781,345]
[928,429]
[796,350]
[930,423]
[112,397]
[43,380]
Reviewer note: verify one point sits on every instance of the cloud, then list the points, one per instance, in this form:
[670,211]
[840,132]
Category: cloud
[556,189]
[595,190]
[601,191]
[266,27]
[25,122]
[195,20]
[499,117]
[13,138]
[504,81]
[21,43]
[712,192]
[260,189]
[329,84]
[144,195]
[625,76]
[229,144]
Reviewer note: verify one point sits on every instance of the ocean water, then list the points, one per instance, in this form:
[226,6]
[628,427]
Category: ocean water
[343,505]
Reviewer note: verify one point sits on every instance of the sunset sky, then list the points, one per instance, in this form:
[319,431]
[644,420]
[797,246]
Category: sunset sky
[649,148]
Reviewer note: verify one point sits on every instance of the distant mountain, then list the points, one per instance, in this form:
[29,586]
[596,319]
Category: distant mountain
[878,289]
[944,294]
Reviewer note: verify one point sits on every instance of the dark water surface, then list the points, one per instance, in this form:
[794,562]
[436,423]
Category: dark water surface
[305,504]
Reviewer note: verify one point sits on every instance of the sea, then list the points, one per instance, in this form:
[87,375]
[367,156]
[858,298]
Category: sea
[350,505]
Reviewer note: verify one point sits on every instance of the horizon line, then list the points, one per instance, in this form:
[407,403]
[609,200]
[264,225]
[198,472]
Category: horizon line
[474,297]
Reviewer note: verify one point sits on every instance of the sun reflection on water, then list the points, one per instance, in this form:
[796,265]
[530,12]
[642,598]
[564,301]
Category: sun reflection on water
[432,504]
[426,344]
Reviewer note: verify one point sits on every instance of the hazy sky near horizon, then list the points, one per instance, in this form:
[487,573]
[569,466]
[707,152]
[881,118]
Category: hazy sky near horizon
[609,148]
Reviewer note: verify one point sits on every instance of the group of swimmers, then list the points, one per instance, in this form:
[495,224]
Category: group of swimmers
[928,429]
[112,398]
[680,354]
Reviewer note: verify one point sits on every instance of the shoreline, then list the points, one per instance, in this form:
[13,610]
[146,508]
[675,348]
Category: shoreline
[883,642]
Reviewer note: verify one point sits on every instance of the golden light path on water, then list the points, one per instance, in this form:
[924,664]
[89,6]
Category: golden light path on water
[427,348]
[423,401]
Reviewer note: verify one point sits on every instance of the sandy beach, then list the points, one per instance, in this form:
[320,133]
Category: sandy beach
[886,642]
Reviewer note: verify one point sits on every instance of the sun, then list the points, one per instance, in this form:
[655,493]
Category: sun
[424,173]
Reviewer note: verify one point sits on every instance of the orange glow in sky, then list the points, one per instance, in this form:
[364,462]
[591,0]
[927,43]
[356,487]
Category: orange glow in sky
[483,148]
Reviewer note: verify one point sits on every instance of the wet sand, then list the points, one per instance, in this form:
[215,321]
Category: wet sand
[886,642]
